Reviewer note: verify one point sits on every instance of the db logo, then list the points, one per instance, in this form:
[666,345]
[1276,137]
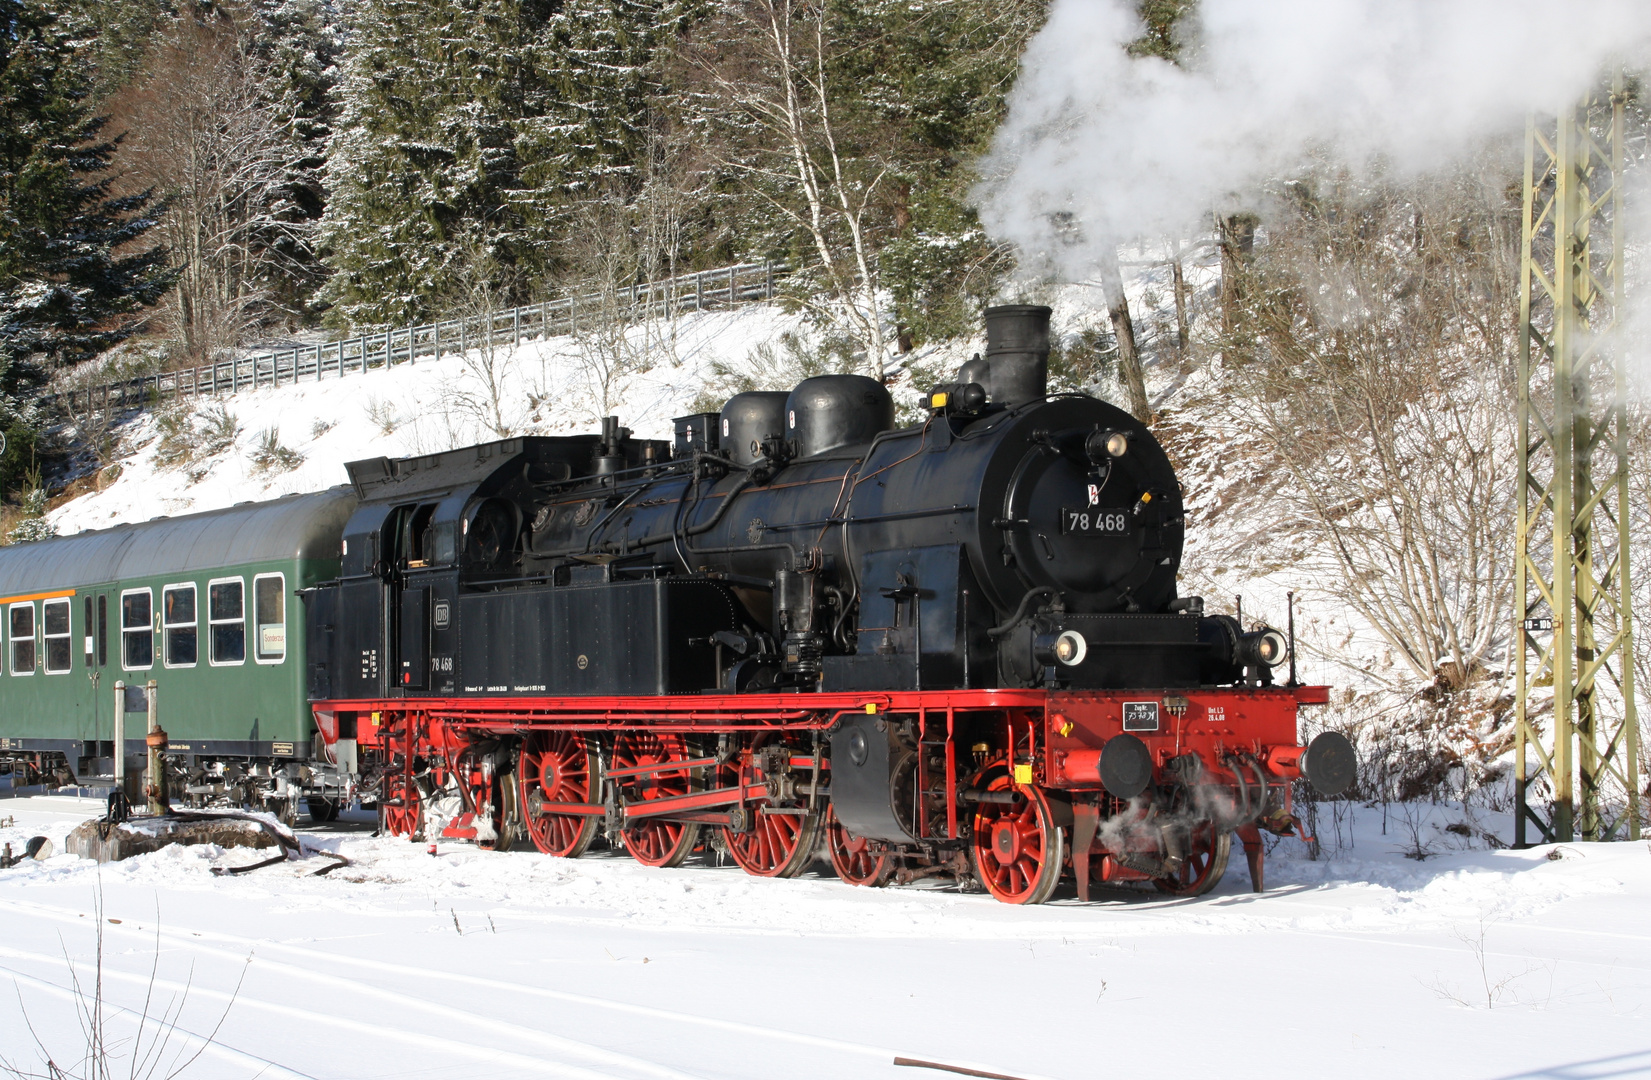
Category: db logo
[1094,494]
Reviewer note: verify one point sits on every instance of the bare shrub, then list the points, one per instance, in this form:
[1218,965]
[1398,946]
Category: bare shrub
[191,434]
[149,1053]
[1370,377]
[481,294]
[382,414]
[269,456]
[615,341]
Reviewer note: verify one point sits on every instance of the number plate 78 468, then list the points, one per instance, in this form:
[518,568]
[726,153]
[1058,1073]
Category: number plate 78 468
[1095,520]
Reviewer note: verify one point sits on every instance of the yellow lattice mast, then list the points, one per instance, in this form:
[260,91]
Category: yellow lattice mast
[1576,768]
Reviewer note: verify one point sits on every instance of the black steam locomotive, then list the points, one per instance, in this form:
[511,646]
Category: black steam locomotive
[951,647]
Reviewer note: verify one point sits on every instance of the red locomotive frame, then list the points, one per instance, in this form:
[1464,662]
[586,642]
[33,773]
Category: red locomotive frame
[1019,806]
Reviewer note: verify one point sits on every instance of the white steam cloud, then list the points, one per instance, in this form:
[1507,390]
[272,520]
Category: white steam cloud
[1100,146]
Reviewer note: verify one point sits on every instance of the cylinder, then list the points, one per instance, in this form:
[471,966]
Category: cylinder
[829,412]
[1015,369]
[748,420]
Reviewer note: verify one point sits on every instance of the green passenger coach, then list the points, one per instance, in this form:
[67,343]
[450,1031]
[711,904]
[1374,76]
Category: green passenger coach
[208,607]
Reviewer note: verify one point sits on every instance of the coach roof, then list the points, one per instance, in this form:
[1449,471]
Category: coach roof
[294,527]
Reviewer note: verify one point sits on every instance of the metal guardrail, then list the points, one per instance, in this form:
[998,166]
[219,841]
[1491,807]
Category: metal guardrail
[723,287]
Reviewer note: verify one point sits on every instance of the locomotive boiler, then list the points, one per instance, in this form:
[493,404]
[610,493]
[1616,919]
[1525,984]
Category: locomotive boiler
[953,647]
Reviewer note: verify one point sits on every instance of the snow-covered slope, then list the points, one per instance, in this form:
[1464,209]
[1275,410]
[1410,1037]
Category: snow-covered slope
[545,387]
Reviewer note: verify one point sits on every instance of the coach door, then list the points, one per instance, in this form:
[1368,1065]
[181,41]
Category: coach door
[95,621]
[94,624]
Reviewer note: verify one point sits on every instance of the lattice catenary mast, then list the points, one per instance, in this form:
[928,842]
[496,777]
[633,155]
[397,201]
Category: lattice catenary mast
[1576,769]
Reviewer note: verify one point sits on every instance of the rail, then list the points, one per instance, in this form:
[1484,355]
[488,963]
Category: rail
[704,291]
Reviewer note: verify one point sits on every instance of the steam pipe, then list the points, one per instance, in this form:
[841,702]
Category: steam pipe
[1020,612]
[1243,791]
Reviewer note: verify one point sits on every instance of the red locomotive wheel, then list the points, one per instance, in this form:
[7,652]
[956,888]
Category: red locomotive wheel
[1017,848]
[653,842]
[557,767]
[399,808]
[1207,850]
[778,845]
[857,860]
[775,845]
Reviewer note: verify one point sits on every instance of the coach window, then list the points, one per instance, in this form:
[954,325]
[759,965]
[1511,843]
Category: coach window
[181,625]
[86,625]
[226,612]
[22,639]
[269,617]
[59,647]
[102,630]
[137,632]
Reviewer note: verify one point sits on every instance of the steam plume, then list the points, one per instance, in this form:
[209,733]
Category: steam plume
[1100,146]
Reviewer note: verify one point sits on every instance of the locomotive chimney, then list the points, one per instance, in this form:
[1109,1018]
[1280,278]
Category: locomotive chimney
[610,451]
[1015,369]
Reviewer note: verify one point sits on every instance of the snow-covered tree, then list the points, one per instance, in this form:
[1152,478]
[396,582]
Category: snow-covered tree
[425,164]
[214,128]
[75,272]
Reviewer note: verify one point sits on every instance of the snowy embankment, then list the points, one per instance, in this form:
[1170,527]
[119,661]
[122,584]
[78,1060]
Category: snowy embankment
[1366,964]
[552,387]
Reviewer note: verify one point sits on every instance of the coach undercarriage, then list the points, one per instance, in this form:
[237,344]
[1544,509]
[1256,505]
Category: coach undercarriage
[1005,790]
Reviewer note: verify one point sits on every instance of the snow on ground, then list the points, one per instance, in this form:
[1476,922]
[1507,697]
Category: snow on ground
[1473,963]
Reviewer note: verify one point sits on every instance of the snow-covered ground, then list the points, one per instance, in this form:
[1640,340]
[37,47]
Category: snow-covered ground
[1473,963]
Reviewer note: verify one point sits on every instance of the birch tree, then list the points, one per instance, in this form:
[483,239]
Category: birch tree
[768,98]
[206,129]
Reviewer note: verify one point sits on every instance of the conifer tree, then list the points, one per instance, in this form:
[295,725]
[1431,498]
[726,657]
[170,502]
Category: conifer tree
[298,44]
[425,165]
[603,98]
[74,275]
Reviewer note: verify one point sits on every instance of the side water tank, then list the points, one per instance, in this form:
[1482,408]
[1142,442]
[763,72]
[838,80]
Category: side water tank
[832,411]
[1015,369]
[750,419]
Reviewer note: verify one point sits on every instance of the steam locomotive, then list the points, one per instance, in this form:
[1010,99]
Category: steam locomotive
[951,648]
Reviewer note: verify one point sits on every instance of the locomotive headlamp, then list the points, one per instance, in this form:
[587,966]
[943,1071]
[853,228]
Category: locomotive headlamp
[1103,446]
[1264,647]
[1271,649]
[1067,648]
